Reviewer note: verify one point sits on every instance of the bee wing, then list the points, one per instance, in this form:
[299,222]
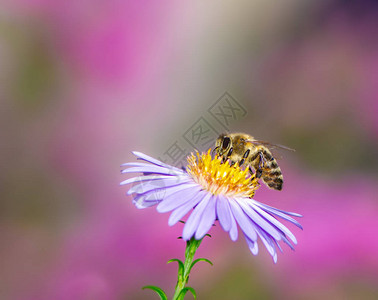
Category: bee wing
[270,145]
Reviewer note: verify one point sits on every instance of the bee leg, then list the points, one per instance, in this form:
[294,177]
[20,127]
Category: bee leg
[258,173]
[251,171]
[260,167]
[212,152]
[262,160]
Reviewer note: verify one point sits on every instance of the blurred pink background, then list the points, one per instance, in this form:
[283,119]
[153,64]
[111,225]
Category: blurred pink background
[83,83]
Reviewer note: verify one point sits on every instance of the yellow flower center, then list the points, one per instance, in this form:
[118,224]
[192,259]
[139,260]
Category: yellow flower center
[221,178]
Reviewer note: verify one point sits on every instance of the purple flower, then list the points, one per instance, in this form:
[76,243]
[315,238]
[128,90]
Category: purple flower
[210,190]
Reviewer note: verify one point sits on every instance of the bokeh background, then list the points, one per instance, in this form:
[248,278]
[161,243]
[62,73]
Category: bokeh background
[83,83]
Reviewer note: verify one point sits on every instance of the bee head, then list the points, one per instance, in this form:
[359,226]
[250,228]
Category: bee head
[222,144]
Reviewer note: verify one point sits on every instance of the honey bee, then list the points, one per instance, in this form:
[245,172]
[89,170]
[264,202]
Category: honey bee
[242,148]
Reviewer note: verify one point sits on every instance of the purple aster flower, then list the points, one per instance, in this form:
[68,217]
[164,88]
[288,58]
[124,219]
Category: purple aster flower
[210,191]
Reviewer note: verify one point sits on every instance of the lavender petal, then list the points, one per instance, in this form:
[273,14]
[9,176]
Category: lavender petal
[191,224]
[287,242]
[253,246]
[276,223]
[140,202]
[154,161]
[281,213]
[244,222]
[207,219]
[152,169]
[178,198]
[182,210]
[261,222]
[267,241]
[146,186]
[140,164]
[151,177]
[224,213]
[158,194]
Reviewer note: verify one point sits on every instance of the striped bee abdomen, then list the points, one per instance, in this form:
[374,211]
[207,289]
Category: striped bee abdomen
[272,177]
[266,166]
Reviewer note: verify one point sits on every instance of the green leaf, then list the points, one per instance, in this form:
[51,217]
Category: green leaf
[197,260]
[180,267]
[158,290]
[184,291]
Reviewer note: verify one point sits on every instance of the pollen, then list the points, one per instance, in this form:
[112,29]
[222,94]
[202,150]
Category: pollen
[221,178]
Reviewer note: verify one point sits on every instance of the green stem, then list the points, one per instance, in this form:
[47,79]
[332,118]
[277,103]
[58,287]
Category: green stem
[182,279]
